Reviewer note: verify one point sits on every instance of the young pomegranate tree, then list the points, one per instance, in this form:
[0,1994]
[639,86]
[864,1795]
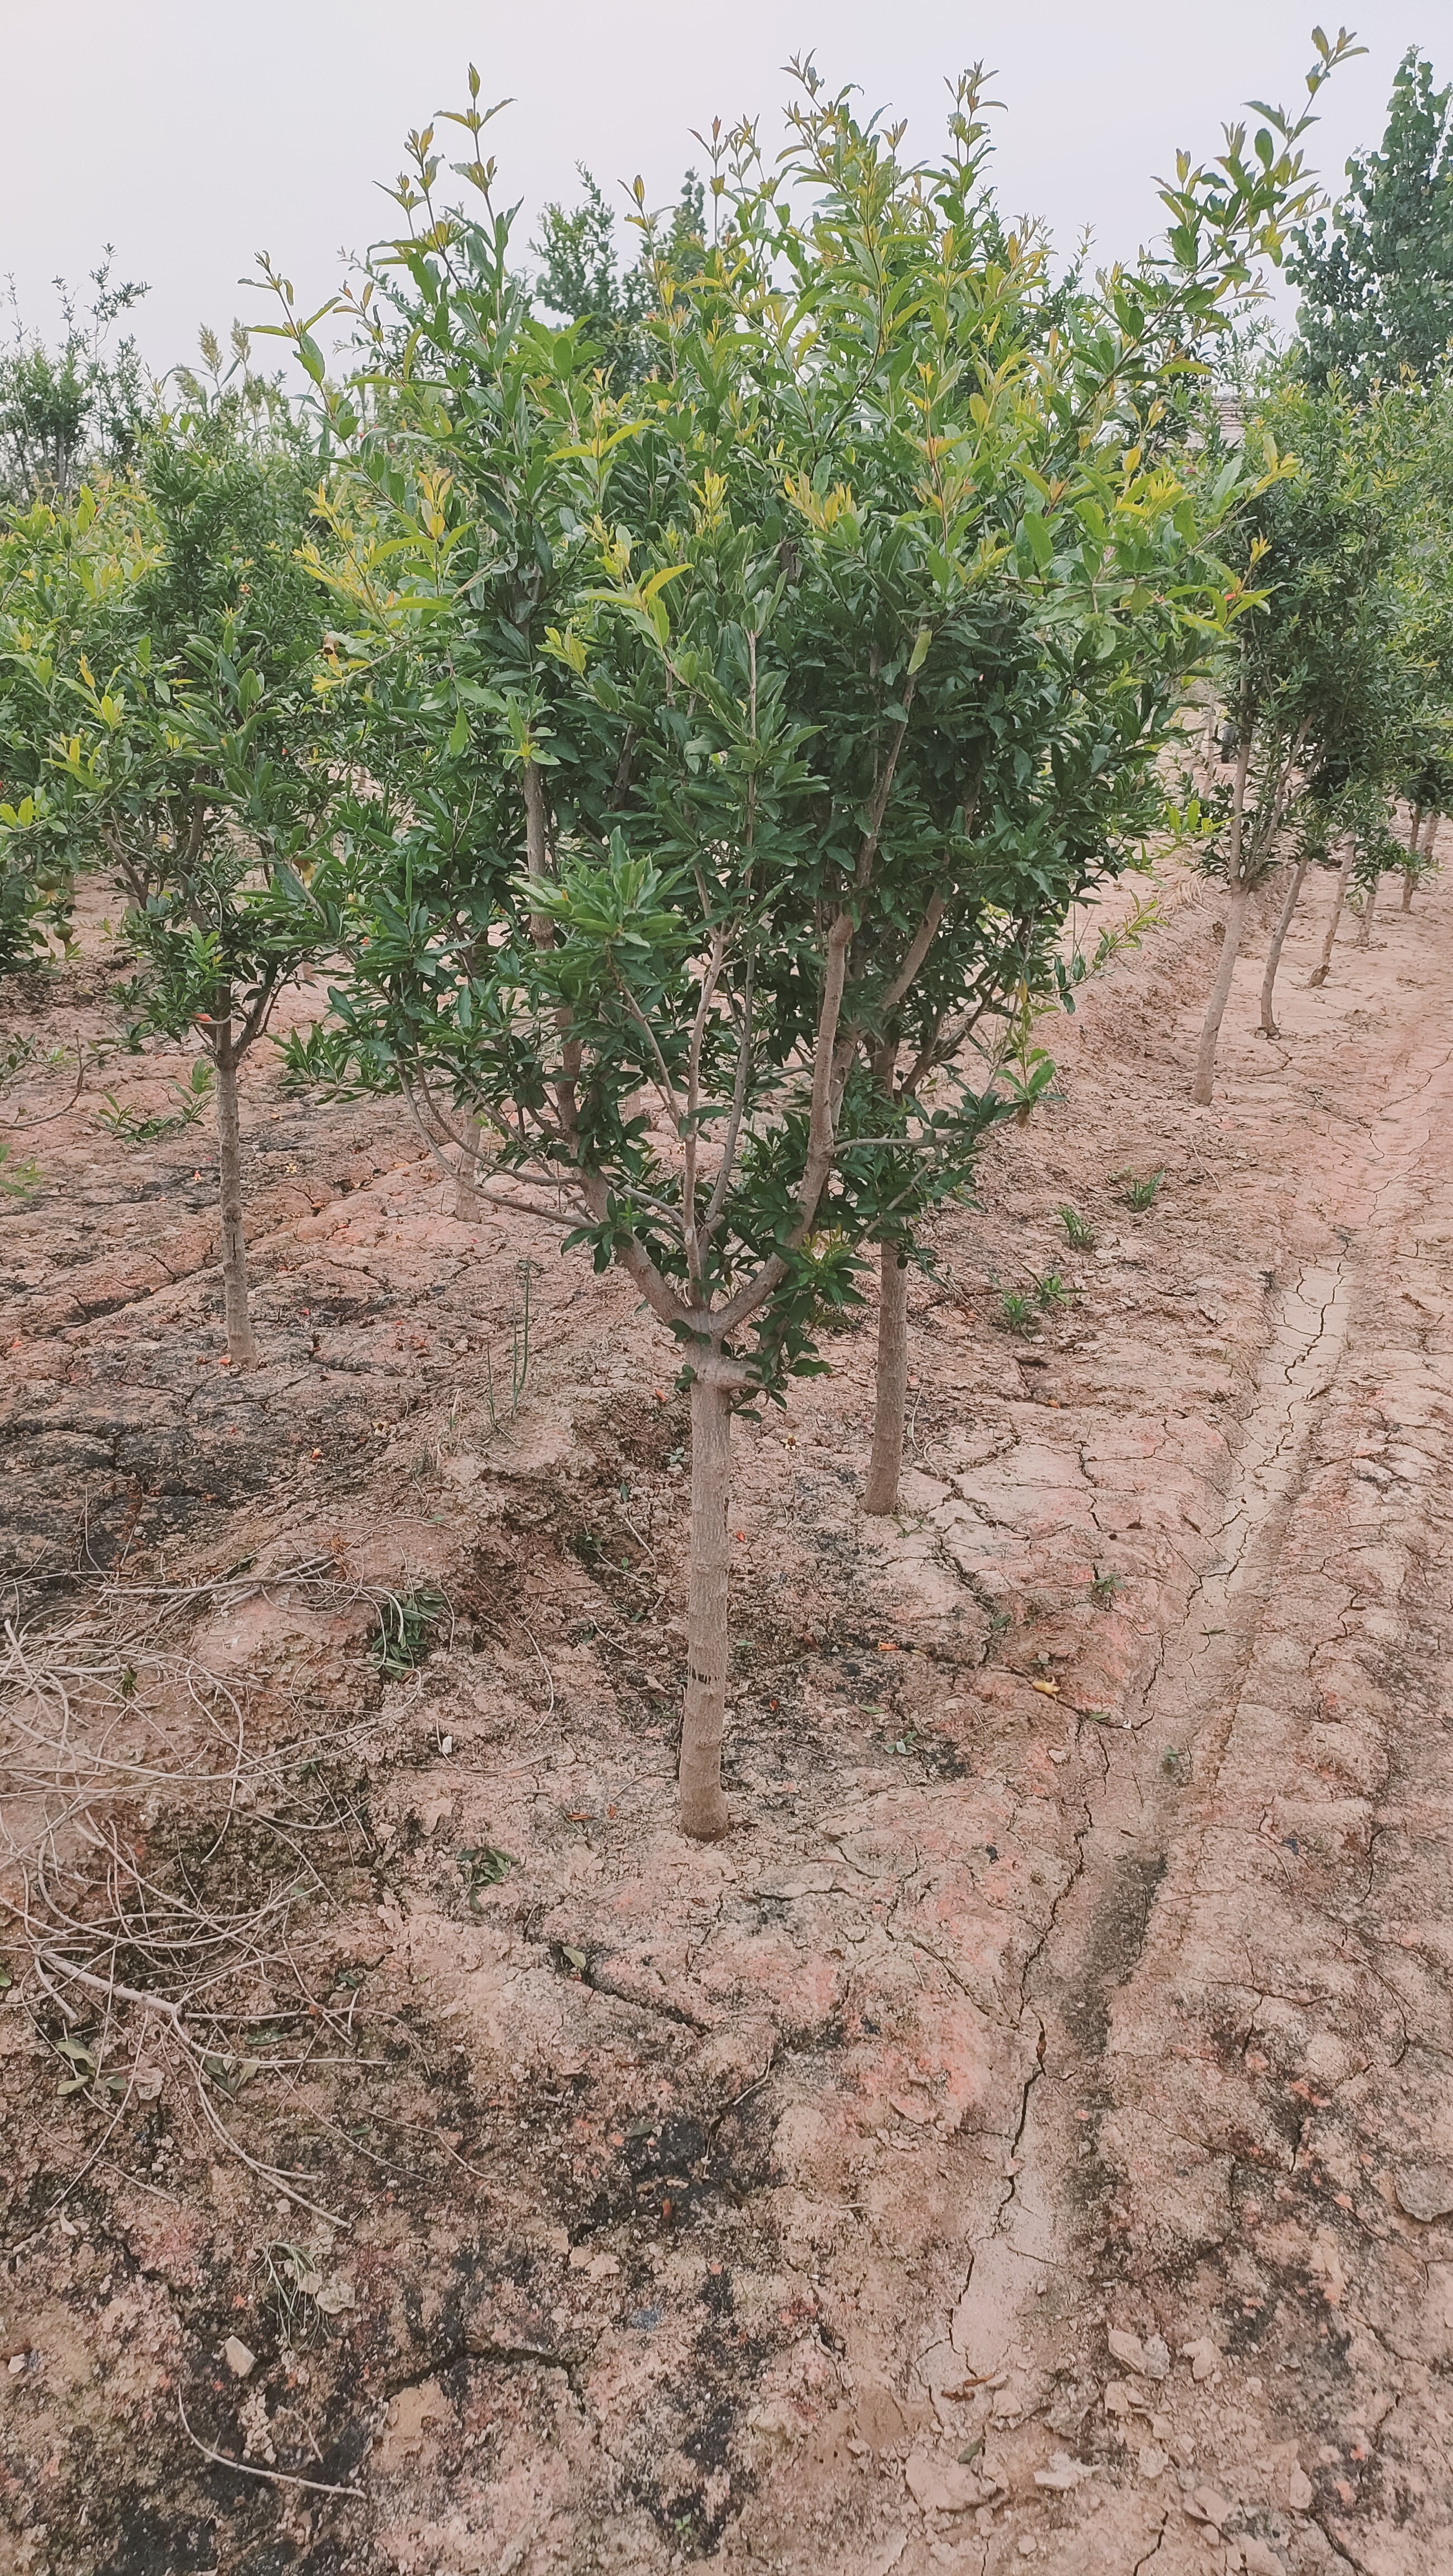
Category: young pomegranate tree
[865,547]
[1425,776]
[193,761]
[62,564]
[1427,790]
[1318,679]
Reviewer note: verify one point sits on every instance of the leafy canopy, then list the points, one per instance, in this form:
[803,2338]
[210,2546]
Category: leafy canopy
[1377,272]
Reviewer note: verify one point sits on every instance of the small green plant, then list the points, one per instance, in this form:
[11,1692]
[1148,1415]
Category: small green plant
[1079,1233]
[17,1180]
[1147,915]
[1023,1072]
[1050,1291]
[519,1353]
[405,1627]
[84,2063]
[1105,1587]
[1174,1763]
[1016,1314]
[483,1865]
[20,1055]
[1139,1194]
[191,1097]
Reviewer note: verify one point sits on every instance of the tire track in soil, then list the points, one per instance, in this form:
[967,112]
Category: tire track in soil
[1128,1934]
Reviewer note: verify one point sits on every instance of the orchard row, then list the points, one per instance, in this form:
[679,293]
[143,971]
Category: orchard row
[680,735]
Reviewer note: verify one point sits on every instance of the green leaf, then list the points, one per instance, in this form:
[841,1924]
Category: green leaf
[1040,539]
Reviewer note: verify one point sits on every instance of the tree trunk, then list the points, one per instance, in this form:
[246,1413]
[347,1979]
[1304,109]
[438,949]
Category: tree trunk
[1410,872]
[1205,1078]
[881,1491]
[1207,776]
[1319,972]
[704,1810]
[469,1207]
[1364,927]
[1273,954]
[241,1348]
[1431,834]
[537,850]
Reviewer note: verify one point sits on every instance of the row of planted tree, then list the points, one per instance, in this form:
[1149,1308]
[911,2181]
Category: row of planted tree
[681,735]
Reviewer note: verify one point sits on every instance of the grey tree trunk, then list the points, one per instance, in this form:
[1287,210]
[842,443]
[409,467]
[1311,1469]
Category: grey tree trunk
[1204,1080]
[1204,1084]
[241,1347]
[1364,927]
[704,1810]
[1410,872]
[884,1467]
[1319,972]
[469,1207]
[1430,834]
[1273,954]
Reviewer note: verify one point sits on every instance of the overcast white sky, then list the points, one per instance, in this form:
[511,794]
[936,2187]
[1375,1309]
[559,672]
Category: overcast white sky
[193,133]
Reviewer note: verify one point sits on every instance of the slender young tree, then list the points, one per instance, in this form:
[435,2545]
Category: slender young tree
[79,411]
[1376,271]
[1324,666]
[194,761]
[62,567]
[1360,819]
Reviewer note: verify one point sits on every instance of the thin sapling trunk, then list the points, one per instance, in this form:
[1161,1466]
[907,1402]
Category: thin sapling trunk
[226,1055]
[1364,927]
[469,1207]
[881,1493]
[1410,872]
[1319,972]
[1273,954]
[704,1811]
[1203,1087]
[1204,1082]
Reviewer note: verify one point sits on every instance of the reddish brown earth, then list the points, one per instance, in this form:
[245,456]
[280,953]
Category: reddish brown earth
[1028,2138]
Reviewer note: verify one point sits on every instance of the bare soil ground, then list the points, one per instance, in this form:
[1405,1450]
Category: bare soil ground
[1027,2138]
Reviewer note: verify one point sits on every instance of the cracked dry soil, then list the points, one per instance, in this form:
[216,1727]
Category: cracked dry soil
[1077,1967]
